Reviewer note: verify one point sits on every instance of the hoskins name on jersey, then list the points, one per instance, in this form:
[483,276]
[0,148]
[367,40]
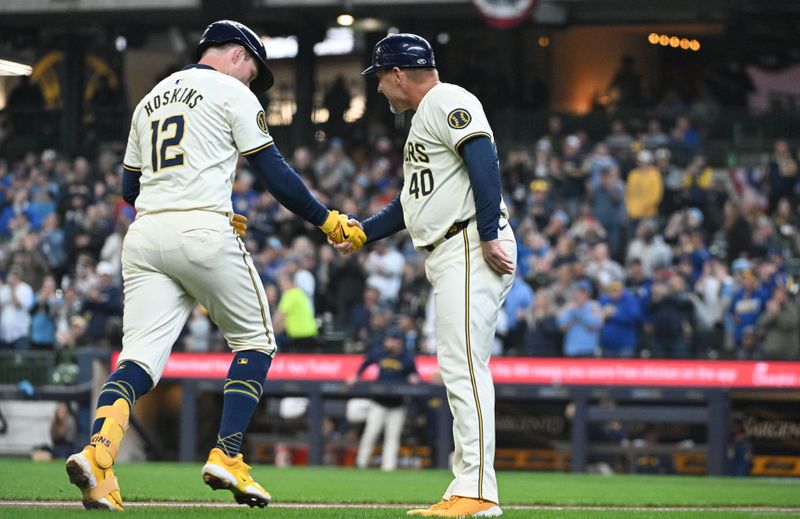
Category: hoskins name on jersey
[188,96]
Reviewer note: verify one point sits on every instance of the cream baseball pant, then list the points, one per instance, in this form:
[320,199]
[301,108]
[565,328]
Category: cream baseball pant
[468,297]
[391,420]
[175,259]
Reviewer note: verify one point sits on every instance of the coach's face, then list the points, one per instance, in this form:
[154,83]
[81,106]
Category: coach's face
[390,83]
[242,65]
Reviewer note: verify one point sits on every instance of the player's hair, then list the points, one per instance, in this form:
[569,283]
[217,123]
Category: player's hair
[225,47]
[417,74]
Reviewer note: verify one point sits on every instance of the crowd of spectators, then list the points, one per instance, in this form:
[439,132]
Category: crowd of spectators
[630,246]
[636,246]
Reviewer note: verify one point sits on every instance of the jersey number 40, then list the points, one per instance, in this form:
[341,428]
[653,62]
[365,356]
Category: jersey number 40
[167,158]
[421,183]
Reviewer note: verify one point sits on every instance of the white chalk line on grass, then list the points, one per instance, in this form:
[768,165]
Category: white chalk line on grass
[584,508]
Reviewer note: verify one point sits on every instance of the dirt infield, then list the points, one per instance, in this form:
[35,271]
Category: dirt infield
[206,504]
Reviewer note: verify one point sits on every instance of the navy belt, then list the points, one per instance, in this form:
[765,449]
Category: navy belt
[452,231]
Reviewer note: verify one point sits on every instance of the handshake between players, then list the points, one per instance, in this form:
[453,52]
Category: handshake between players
[343,232]
[349,236]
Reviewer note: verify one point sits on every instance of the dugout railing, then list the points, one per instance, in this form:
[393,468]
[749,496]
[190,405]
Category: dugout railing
[703,406]
[649,391]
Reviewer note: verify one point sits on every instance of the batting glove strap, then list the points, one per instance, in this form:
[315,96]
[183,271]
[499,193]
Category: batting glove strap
[331,223]
[239,224]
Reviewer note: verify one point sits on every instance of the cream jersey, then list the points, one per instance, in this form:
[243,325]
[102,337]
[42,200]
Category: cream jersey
[436,189]
[185,139]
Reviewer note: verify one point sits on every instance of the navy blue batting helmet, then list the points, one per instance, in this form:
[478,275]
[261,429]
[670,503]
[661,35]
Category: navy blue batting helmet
[403,51]
[228,31]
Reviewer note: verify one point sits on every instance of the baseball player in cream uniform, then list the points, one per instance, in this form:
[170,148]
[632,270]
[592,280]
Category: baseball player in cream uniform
[451,205]
[182,230]
[185,248]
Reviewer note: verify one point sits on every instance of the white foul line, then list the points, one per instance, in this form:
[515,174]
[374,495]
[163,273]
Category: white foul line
[589,508]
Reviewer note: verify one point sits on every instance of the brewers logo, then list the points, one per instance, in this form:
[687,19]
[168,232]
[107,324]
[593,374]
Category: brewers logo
[261,119]
[459,118]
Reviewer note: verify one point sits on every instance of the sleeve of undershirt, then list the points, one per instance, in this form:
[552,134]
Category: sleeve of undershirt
[483,167]
[285,185]
[385,222]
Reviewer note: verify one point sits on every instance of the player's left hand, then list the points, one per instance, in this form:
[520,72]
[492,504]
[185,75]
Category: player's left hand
[496,257]
[239,224]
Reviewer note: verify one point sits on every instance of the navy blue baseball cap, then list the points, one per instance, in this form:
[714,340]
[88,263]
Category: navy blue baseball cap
[394,332]
[223,32]
[401,50]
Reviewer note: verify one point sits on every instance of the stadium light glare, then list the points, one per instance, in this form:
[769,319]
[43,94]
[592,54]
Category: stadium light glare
[370,24]
[338,41]
[665,40]
[281,48]
[12,68]
[345,20]
[121,43]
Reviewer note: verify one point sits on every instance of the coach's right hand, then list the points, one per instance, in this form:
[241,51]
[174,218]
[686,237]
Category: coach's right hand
[497,258]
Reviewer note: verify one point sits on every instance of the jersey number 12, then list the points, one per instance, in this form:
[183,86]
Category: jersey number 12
[174,140]
[421,183]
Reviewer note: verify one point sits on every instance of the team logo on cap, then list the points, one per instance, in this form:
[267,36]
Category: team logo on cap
[459,118]
[261,120]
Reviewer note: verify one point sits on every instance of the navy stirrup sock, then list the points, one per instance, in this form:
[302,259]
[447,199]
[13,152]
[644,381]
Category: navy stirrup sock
[243,389]
[130,381]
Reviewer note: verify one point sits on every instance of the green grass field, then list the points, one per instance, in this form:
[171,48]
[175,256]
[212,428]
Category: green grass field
[157,482]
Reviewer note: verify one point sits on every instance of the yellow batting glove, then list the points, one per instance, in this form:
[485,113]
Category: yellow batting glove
[239,224]
[352,234]
[331,224]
